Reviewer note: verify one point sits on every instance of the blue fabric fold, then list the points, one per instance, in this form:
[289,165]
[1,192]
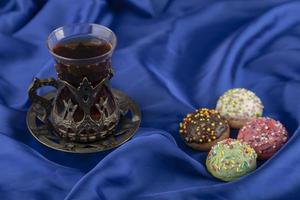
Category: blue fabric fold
[172,57]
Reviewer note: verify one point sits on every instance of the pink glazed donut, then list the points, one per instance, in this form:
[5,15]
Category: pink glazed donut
[265,135]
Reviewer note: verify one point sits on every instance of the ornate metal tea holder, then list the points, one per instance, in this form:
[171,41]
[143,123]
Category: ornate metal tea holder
[41,127]
[54,119]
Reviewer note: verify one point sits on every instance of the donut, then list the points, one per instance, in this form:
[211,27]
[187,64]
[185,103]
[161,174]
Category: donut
[238,106]
[203,128]
[265,135]
[230,159]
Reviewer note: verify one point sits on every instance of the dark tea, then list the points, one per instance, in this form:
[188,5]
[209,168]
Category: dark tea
[80,50]
[83,48]
[84,108]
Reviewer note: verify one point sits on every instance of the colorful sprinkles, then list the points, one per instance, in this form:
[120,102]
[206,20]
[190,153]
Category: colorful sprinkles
[230,159]
[239,103]
[203,126]
[265,135]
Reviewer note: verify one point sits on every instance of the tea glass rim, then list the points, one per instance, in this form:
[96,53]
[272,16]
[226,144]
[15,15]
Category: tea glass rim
[113,45]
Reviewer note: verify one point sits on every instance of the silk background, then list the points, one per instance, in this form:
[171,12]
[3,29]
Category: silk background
[172,57]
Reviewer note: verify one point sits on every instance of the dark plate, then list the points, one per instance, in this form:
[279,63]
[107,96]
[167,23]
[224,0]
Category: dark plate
[128,125]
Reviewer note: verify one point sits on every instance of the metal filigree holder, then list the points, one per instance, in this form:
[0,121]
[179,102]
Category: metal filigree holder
[59,131]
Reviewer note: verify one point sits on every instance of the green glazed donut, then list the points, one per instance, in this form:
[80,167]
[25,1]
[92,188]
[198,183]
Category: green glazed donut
[230,159]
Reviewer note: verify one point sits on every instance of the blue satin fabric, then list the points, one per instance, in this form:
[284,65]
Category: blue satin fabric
[172,57]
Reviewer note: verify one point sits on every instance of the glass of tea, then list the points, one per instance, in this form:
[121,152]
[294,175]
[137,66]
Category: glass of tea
[84,108]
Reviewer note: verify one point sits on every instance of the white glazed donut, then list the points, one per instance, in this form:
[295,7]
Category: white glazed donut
[239,106]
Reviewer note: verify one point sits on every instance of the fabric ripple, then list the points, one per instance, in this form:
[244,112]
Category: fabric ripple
[172,57]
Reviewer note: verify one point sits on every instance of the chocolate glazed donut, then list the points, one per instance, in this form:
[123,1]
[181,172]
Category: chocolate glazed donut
[203,128]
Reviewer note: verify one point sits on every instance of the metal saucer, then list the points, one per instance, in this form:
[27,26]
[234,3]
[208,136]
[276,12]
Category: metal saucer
[128,125]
